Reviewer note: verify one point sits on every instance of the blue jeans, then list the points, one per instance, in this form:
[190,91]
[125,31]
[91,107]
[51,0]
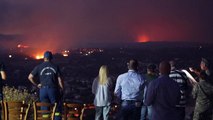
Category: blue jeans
[146,112]
[51,95]
[103,110]
[129,110]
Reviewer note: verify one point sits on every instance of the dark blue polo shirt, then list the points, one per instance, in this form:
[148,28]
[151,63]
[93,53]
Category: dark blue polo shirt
[163,94]
[48,74]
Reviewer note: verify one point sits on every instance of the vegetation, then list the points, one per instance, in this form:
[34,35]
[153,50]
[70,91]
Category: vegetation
[21,94]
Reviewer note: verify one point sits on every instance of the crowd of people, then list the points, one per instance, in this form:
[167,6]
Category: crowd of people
[166,95]
[163,95]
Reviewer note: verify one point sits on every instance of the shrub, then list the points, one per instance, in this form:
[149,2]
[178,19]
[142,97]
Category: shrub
[17,95]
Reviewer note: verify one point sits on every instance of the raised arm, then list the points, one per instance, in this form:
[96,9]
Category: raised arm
[3,75]
[2,72]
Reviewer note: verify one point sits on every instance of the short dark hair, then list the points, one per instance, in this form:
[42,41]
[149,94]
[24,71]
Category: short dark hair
[164,68]
[173,63]
[151,67]
[133,64]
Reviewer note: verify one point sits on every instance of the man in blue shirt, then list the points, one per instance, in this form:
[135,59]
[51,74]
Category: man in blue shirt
[50,82]
[163,94]
[129,90]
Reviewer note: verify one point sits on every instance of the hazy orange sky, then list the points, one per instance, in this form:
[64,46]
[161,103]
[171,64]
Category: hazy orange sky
[71,23]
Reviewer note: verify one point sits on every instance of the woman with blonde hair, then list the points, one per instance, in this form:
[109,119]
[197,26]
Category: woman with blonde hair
[102,89]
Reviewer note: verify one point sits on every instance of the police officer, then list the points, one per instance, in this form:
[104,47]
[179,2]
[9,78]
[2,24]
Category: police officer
[51,82]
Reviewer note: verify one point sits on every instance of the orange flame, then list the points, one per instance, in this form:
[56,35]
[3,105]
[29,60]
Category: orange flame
[39,55]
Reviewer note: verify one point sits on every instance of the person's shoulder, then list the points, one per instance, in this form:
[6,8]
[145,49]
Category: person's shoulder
[52,64]
[96,79]
[155,83]
[180,72]
[39,65]
[123,74]
[165,79]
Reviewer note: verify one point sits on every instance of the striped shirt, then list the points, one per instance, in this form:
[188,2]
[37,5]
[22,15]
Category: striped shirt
[181,79]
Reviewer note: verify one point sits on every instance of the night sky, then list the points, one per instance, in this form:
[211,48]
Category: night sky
[52,24]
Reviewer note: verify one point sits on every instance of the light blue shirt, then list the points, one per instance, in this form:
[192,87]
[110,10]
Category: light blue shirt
[103,93]
[129,86]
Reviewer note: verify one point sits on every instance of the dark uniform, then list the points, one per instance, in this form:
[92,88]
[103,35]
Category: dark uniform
[203,92]
[48,74]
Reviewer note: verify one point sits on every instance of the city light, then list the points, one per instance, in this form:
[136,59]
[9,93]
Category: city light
[10,56]
[22,46]
[65,53]
[89,51]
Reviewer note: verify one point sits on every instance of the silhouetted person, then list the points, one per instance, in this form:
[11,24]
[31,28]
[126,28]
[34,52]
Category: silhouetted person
[163,94]
[146,111]
[181,78]
[205,65]
[102,88]
[2,77]
[203,93]
[50,82]
[129,88]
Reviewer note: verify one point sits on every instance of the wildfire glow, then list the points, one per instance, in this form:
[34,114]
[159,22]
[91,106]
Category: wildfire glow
[143,38]
[39,56]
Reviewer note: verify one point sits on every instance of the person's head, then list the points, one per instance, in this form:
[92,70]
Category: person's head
[132,64]
[103,74]
[151,68]
[172,64]
[204,64]
[48,56]
[164,68]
